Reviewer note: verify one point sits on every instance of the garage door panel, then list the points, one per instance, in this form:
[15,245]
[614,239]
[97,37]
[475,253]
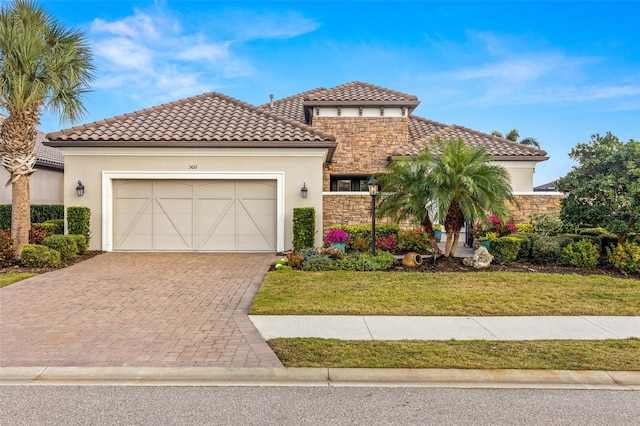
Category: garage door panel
[195,215]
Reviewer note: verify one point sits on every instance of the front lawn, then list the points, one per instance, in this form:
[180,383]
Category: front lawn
[444,294]
[13,277]
[539,354]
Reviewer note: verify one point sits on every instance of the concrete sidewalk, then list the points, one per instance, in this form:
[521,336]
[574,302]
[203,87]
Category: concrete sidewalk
[346,327]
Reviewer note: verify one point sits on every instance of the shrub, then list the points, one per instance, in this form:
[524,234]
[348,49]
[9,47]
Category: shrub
[524,227]
[625,257]
[37,233]
[526,245]
[78,221]
[388,243]
[37,256]
[606,238]
[81,242]
[294,259]
[414,240]
[56,226]
[547,224]
[368,262]
[332,252]
[64,244]
[547,250]
[304,227]
[319,263]
[583,254]
[39,213]
[505,249]
[360,235]
[6,248]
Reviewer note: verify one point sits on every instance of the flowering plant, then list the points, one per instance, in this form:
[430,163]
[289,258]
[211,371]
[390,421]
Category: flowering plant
[501,228]
[336,236]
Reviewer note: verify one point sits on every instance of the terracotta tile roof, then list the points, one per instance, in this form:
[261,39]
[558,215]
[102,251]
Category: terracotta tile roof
[291,107]
[357,91]
[46,155]
[203,120]
[423,131]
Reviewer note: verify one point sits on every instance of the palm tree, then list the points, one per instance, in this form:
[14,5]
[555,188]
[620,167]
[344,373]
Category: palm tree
[513,135]
[42,65]
[530,142]
[465,184]
[406,195]
[459,181]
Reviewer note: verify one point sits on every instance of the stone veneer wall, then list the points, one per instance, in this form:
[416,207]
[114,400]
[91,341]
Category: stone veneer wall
[340,209]
[364,143]
[531,204]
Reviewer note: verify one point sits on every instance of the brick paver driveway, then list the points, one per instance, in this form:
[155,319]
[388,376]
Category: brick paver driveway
[137,309]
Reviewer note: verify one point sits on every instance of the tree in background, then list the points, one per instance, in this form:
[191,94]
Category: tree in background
[513,136]
[42,65]
[603,190]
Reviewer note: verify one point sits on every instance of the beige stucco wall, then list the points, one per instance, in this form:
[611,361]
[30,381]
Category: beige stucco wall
[46,186]
[297,166]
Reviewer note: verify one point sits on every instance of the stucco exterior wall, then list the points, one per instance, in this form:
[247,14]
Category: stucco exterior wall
[46,186]
[298,166]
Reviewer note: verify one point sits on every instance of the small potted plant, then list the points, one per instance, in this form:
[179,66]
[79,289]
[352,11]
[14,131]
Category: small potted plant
[337,238]
[486,240]
[437,229]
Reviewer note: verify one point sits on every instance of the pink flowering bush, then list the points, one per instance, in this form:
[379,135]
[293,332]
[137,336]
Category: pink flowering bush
[501,228]
[336,236]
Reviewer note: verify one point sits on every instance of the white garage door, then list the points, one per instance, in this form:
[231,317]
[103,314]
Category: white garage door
[194,215]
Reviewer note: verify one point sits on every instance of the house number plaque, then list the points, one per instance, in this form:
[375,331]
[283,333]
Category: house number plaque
[193,166]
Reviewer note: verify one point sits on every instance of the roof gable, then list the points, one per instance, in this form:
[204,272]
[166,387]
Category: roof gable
[360,92]
[203,119]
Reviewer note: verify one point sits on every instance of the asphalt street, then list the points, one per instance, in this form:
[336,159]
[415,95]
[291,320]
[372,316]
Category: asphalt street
[162,405]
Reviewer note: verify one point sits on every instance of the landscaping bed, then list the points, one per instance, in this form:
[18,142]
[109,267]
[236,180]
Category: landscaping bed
[17,267]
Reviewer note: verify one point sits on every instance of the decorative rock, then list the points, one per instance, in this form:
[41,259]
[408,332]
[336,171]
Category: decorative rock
[481,259]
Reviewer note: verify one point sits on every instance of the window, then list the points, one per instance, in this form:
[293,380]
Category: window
[349,183]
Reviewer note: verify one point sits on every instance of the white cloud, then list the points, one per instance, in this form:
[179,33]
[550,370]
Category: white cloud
[151,58]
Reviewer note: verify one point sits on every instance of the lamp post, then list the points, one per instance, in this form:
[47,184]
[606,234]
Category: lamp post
[373,191]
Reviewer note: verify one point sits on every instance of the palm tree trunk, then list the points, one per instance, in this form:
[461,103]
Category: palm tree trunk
[449,244]
[454,245]
[20,213]
[427,226]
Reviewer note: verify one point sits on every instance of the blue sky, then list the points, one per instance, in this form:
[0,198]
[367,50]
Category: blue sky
[558,71]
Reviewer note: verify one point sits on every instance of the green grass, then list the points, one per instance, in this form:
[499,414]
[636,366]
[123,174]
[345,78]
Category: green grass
[448,294]
[13,277]
[540,354]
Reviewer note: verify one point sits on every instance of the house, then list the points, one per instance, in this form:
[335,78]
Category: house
[46,181]
[211,173]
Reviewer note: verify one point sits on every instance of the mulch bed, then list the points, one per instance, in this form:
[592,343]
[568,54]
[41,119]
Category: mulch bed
[454,264]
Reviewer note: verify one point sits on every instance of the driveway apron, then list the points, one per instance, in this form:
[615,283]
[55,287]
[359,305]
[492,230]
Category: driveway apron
[138,309]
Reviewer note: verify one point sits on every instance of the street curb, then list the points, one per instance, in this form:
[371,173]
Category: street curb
[211,376]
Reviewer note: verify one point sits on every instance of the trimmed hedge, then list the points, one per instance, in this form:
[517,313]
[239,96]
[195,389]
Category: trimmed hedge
[39,213]
[304,227]
[64,244]
[360,235]
[358,261]
[78,221]
[505,249]
[549,249]
[56,226]
[81,243]
[37,256]
[526,245]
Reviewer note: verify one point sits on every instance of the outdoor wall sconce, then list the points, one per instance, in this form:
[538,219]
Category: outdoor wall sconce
[304,191]
[80,189]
